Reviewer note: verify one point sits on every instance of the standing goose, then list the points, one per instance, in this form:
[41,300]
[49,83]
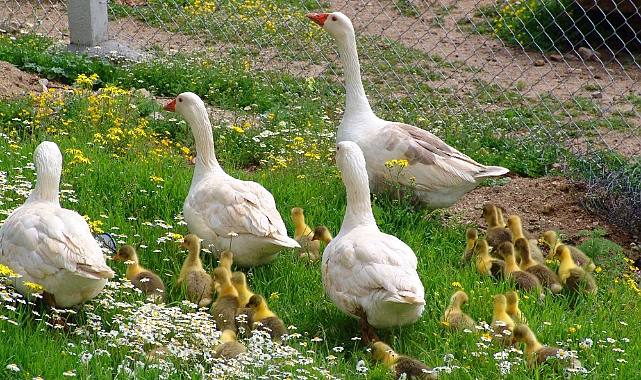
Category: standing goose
[49,245]
[437,175]
[224,211]
[368,274]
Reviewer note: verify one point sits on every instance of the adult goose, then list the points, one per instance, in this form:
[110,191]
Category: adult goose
[368,274]
[49,245]
[437,175]
[224,211]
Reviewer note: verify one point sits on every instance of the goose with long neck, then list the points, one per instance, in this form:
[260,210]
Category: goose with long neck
[437,175]
[49,245]
[228,213]
[368,274]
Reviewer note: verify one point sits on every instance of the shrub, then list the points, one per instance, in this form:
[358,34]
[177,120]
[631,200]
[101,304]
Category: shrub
[535,24]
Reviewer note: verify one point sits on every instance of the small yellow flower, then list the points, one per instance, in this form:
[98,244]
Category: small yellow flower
[274,295]
[37,288]
[237,129]
[156,179]
[5,271]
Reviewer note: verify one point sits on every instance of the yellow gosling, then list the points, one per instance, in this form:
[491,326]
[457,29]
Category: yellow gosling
[486,264]
[550,238]
[496,232]
[516,227]
[453,316]
[502,324]
[300,227]
[471,236]
[141,278]
[196,281]
[224,309]
[546,276]
[401,364]
[513,309]
[537,354]
[264,319]
[573,276]
[522,280]
[229,347]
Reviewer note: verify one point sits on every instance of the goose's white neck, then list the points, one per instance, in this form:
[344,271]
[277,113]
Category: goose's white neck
[206,161]
[47,188]
[357,108]
[359,208]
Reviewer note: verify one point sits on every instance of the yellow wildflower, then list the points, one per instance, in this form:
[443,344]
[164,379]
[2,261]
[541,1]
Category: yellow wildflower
[37,288]
[5,271]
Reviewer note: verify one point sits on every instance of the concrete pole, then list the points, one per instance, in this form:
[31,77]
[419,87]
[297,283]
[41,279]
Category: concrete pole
[88,23]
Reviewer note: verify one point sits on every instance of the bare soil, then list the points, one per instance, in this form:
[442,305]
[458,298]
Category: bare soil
[547,203]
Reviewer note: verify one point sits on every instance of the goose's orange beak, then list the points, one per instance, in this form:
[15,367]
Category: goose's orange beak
[171,106]
[318,18]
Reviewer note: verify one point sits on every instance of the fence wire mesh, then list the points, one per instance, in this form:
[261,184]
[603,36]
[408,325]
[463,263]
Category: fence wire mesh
[477,62]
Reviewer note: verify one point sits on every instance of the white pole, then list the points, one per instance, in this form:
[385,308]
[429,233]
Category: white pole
[88,23]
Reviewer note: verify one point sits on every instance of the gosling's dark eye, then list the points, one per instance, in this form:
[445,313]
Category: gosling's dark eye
[334,18]
[180,99]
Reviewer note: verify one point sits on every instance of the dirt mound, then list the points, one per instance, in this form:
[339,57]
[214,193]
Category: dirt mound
[14,82]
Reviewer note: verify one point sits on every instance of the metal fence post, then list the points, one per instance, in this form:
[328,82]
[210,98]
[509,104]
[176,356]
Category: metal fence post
[88,23]
[89,32]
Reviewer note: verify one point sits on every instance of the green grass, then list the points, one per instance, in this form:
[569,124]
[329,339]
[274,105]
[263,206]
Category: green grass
[127,170]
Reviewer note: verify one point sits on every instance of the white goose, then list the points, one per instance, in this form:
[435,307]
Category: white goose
[49,245]
[437,174]
[368,274]
[219,205]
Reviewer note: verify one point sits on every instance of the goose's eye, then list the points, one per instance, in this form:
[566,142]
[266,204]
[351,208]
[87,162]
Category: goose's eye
[180,99]
[334,18]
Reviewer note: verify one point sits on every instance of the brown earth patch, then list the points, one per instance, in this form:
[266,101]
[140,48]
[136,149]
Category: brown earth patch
[546,203]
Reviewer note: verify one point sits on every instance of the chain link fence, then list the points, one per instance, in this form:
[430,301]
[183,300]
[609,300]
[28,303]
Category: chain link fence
[477,61]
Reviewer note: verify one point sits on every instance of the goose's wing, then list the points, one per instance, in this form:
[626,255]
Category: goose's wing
[45,239]
[364,263]
[244,207]
[431,162]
